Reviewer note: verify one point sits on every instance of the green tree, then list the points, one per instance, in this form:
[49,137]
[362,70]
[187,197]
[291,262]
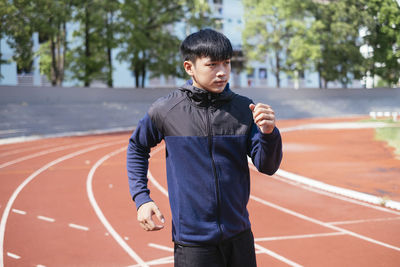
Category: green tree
[303,48]
[88,56]
[280,30]
[145,31]
[150,44]
[307,35]
[148,37]
[383,36]
[50,19]
[196,15]
[18,26]
[265,33]
[4,17]
[339,39]
[110,29]
[92,58]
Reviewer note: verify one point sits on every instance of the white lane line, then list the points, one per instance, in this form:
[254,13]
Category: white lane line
[16,151]
[306,218]
[19,211]
[314,186]
[156,184]
[47,219]
[336,126]
[13,140]
[161,247]
[151,177]
[364,221]
[339,190]
[100,215]
[332,195]
[275,238]
[14,256]
[276,256]
[79,227]
[15,194]
[45,152]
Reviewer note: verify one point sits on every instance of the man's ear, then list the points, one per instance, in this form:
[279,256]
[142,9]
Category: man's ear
[188,66]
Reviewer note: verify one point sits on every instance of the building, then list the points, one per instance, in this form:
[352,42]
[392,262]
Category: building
[8,71]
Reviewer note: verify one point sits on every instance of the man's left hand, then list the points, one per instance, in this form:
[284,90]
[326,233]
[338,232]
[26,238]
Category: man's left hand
[264,117]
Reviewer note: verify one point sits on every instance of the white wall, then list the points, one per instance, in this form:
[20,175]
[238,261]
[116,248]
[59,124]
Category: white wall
[9,71]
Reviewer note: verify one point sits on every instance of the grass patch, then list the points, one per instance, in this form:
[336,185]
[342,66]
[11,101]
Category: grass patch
[385,120]
[390,134]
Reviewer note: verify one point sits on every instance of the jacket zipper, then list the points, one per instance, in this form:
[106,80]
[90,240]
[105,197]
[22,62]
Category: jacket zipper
[210,143]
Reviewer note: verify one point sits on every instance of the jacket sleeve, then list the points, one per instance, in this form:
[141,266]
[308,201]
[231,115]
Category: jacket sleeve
[142,140]
[265,150]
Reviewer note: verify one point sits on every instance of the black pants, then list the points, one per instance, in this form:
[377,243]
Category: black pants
[234,252]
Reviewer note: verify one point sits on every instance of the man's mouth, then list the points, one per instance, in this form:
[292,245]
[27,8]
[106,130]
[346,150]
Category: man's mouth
[220,82]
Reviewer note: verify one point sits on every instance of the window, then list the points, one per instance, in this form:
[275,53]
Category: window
[262,74]
[219,24]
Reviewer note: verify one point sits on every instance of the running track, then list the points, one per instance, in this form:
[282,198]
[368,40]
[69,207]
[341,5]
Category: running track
[65,202]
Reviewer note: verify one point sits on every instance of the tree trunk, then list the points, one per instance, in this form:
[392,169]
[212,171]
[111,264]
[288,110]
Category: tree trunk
[278,69]
[87,48]
[110,68]
[344,83]
[109,49]
[137,76]
[54,70]
[319,77]
[64,52]
[143,74]
[58,55]
[1,55]
[373,75]
[325,84]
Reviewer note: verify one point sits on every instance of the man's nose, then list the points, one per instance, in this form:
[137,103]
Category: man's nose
[221,71]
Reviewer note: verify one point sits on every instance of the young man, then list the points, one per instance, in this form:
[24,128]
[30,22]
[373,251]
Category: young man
[209,131]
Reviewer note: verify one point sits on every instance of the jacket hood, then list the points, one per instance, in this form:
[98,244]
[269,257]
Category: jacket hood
[204,98]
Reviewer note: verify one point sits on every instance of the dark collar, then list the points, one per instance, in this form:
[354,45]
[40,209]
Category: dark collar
[202,97]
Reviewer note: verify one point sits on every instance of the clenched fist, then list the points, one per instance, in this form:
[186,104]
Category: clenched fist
[264,117]
[145,216]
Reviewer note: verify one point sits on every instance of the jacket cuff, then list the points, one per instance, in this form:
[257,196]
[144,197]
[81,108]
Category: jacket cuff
[141,199]
[274,134]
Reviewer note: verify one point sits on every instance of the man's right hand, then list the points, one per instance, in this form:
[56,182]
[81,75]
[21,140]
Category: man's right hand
[145,216]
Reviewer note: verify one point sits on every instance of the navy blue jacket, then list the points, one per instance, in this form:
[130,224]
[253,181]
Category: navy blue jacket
[208,138]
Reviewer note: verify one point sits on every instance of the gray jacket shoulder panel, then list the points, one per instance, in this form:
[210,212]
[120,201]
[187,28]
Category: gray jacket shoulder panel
[162,106]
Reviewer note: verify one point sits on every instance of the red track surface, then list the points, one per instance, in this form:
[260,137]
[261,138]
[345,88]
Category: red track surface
[65,202]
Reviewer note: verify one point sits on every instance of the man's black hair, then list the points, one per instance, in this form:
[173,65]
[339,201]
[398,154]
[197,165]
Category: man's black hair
[206,43]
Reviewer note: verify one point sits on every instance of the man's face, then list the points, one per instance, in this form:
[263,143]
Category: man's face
[208,74]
